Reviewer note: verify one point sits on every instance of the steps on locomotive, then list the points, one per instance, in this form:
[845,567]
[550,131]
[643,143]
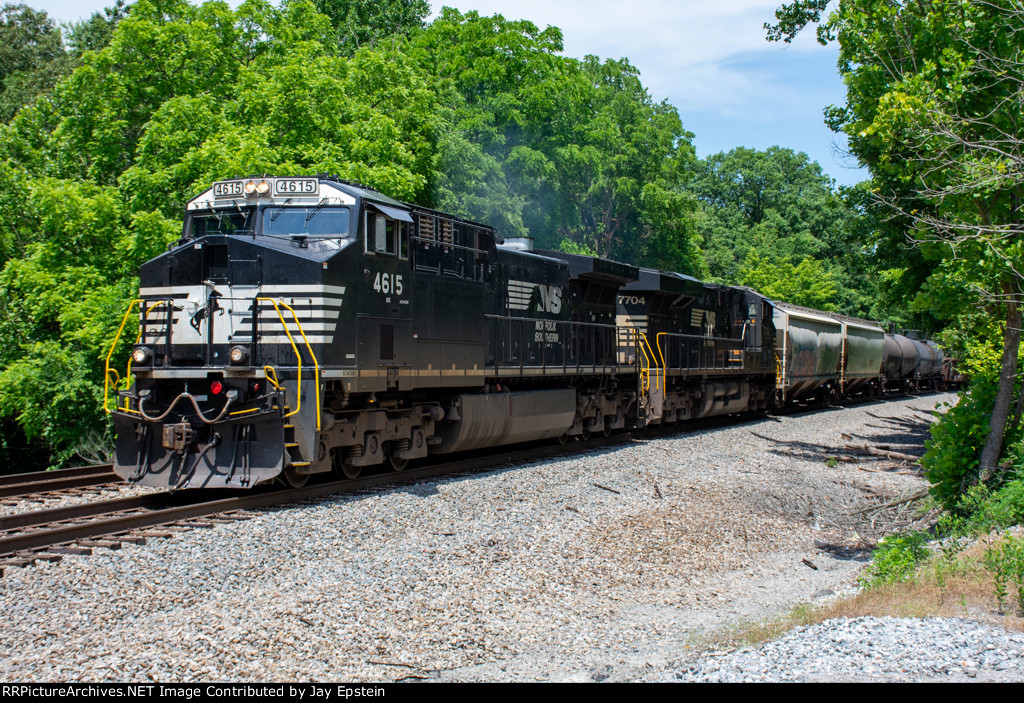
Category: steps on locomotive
[293,457]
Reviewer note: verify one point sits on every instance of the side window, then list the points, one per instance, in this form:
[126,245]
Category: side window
[382,235]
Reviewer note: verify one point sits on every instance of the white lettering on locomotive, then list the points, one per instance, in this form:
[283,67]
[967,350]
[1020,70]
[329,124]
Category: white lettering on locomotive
[550,299]
[388,283]
[546,331]
[632,300]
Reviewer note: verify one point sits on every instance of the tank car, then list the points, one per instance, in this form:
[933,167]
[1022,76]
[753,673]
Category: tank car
[308,324]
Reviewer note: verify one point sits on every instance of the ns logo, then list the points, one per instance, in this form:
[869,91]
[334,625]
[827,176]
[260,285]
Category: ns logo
[550,299]
[527,295]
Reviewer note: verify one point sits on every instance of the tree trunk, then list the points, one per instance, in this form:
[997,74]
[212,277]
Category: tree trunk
[1001,409]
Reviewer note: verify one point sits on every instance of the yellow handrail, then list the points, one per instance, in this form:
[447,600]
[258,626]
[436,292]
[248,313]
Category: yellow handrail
[106,367]
[316,365]
[649,353]
[645,372]
[107,371]
[112,378]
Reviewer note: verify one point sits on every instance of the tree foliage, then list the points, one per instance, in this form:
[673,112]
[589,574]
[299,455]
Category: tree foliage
[934,98]
[479,115]
[32,57]
[771,215]
[558,148]
[360,23]
[95,32]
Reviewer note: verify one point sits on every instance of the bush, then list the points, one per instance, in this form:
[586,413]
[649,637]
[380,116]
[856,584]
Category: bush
[1006,562]
[951,461]
[896,559]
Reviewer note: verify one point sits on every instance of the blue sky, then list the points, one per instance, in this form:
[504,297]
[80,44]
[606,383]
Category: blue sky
[709,59]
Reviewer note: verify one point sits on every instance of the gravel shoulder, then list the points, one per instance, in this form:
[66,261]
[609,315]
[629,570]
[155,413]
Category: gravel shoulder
[615,565]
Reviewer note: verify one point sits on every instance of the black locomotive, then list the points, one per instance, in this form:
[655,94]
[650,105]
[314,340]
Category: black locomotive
[307,324]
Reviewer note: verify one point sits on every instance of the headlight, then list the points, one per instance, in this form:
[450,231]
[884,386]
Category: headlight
[238,355]
[256,188]
[140,355]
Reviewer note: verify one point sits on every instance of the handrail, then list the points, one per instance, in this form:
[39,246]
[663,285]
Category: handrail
[145,316]
[664,366]
[645,372]
[651,358]
[106,365]
[271,376]
[316,365]
[112,378]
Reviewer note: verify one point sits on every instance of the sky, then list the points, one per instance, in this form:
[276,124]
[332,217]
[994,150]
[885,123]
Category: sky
[709,59]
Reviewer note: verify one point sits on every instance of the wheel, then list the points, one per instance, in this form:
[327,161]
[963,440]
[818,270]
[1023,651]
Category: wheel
[563,438]
[607,431]
[396,463]
[293,478]
[343,468]
[585,435]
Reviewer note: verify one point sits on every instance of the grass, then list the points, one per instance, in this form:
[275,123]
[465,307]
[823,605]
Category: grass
[945,585]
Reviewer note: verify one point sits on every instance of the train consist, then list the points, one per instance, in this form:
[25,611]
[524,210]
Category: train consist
[307,324]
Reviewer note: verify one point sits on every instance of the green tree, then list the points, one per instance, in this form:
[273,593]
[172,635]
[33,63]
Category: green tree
[96,174]
[934,98]
[94,32]
[561,149]
[32,57]
[763,207]
[361,23]
[807,283]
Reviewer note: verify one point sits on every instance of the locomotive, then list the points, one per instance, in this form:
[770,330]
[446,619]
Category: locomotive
[309,324]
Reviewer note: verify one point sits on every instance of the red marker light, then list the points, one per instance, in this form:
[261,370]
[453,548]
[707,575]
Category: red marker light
[216,387]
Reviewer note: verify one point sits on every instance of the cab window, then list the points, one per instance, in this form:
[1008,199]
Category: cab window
[386,236]
[309,221]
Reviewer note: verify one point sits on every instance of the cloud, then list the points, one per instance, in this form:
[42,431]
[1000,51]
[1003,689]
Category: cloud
[711,55]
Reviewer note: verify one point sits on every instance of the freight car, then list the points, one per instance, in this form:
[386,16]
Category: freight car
[307,324]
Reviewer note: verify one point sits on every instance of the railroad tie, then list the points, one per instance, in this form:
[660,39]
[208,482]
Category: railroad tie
[133,538]
[157,533]
[109,544]
[85,551]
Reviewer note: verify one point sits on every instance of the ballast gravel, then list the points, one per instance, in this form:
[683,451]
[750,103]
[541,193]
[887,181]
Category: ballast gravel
[874,649]
[613,565]
[64,499]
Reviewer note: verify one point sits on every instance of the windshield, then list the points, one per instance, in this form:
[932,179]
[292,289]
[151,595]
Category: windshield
[309,221]
[219,222]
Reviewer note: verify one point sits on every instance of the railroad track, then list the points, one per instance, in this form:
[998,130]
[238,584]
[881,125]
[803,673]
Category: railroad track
[50,534]
[43,483]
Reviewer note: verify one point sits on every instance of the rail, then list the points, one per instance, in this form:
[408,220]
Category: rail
[112,379]
[692,352]
[565,345]
[107,370]
[650,361]
[278,304]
